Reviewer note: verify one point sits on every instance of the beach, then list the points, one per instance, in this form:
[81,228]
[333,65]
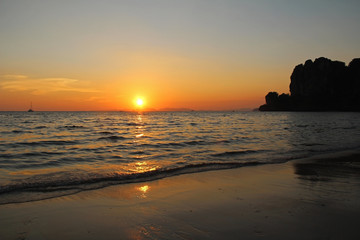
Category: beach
[179,120]
[315,198]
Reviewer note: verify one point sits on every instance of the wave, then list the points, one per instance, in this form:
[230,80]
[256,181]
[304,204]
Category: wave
[41,143]
[65,183]
[15,131]
[20,131]
[27,154]
[52,142]
[139,153]
[40,127]
[55,187]
[311,144]
[135,124]
[112,138]
[71,127]
[182,144]
[105,133]
[232,153]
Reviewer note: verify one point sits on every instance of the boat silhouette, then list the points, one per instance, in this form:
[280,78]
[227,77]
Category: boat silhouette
[31,110]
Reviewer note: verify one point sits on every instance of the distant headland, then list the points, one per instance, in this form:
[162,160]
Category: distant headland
[320,85]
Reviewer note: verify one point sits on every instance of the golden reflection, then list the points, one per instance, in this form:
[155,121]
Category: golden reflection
[31,172]
[141,167]
[139,117]
[139,128]
[143,190]
[139,122]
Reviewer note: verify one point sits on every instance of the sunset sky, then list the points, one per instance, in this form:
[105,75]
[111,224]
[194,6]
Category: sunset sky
[198,54]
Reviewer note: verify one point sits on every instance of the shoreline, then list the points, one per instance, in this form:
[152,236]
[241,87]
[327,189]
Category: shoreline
[299,199]
[40,194]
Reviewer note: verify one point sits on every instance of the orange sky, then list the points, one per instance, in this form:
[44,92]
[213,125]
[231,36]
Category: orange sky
[216,89]
[202,55]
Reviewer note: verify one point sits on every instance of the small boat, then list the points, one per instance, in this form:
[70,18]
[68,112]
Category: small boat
[31,110]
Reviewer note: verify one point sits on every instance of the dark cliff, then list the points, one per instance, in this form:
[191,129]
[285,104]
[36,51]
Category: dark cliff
[322,85]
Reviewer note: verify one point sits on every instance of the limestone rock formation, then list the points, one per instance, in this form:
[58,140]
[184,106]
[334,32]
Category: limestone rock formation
[322,85]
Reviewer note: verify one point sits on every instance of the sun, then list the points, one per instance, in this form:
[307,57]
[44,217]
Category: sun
[139,102]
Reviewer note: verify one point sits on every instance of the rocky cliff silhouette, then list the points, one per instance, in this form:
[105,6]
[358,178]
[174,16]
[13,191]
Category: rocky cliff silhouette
[322,85]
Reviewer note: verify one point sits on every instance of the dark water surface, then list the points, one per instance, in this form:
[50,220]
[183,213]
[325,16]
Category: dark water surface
[46,154]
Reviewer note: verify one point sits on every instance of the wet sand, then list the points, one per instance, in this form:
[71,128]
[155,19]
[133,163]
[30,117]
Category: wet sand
[304,199]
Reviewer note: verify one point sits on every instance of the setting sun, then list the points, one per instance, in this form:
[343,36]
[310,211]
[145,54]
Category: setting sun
[139,102]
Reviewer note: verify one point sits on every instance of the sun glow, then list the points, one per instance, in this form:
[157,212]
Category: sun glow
[139,102]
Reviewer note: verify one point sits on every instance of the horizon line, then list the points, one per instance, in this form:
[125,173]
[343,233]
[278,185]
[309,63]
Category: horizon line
[132,111]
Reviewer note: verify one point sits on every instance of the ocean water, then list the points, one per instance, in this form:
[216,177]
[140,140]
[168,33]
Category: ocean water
[48,154]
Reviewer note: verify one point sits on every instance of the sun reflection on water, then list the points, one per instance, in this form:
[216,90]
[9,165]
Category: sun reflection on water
[141,167]
[139,135]
[143,190]
[139,117]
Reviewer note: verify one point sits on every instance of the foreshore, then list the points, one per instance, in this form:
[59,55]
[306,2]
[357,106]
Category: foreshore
[315,198]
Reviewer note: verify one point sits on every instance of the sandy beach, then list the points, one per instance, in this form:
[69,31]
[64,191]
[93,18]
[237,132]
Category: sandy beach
[304,199]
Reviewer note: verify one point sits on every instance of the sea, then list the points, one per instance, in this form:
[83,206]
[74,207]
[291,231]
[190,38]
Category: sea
[49,154]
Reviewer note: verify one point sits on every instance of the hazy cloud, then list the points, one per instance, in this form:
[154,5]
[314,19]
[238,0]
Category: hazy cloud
[14,76]
[40,86]
[97,99]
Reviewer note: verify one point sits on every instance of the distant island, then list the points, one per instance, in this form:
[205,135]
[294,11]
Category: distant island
[322,85]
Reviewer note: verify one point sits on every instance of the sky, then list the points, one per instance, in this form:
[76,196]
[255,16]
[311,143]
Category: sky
[81,55]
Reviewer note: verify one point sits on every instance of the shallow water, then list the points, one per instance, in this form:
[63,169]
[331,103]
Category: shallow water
[56,153]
